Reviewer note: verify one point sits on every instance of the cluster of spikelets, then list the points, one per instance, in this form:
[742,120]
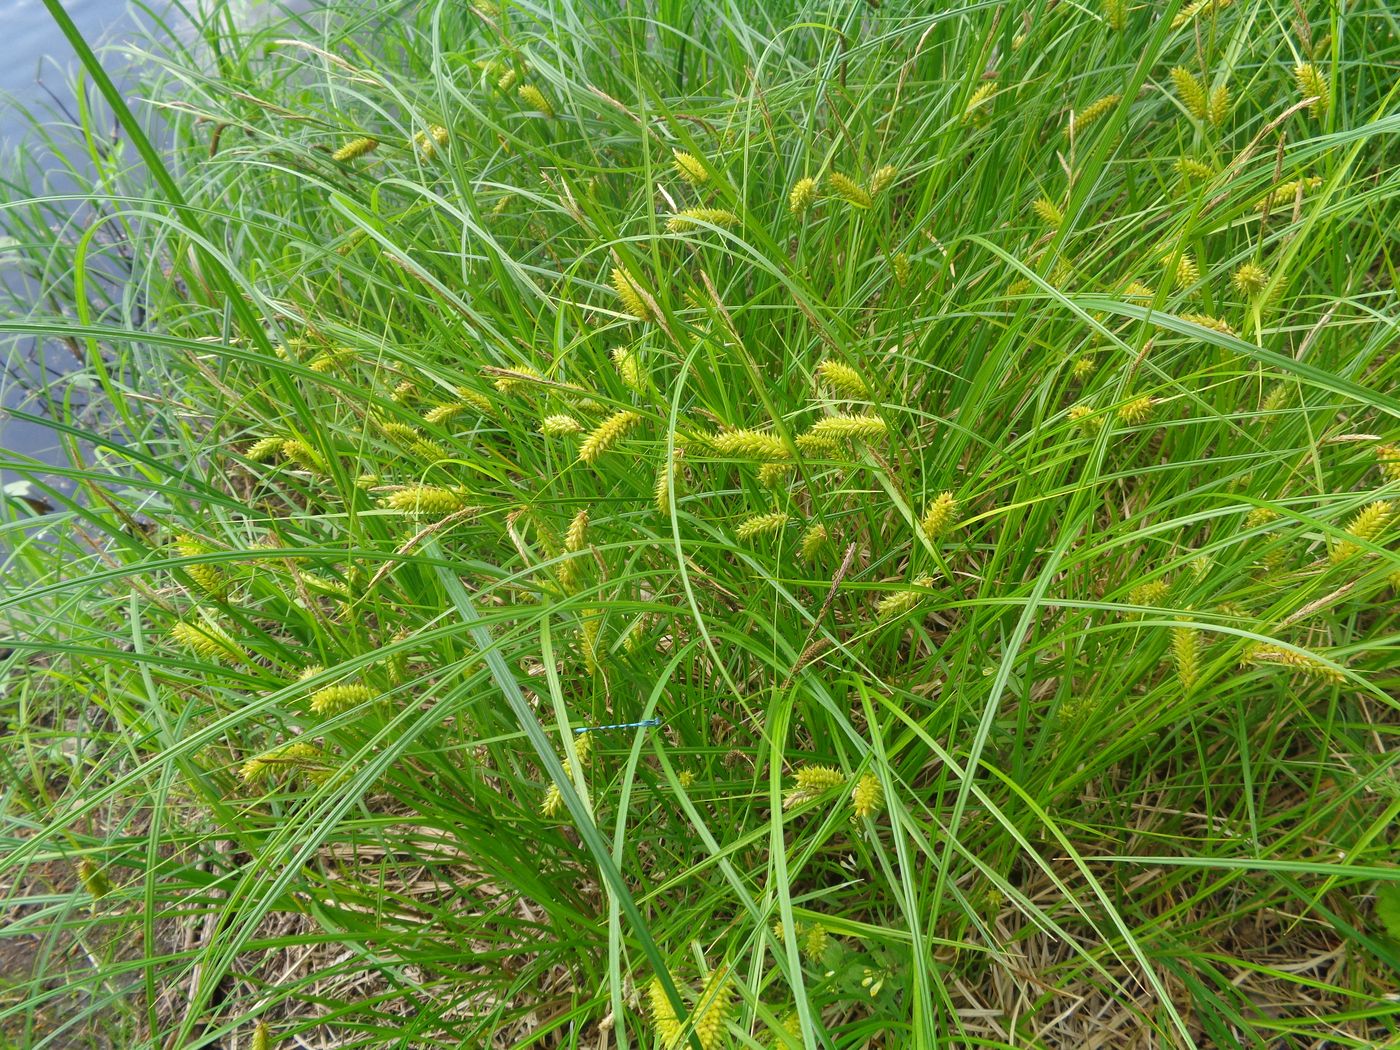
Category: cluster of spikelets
[813,782]
[553,802]
[706,1021]
[806,191]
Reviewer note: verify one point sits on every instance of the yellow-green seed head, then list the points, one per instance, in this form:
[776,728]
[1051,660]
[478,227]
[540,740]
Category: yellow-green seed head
[632,300]
[814,945]
[977,108]
[1388,459]
[749,444]
[804,193]
[1261,655]
[1250,280]
[663,1015]
[1312,82]
[1048,212]
[712,1008]
[689,167]
[1367,526]
[1193,170]
[1149,593]
[1092,113]
[883,178]
[334,699]
[939,516]
[814,541]
[842,380]
[263,449]
[761,525]
[355,148]
[900,268]
[431,501]
[812,782]
[607,434]
[207,640]
[1191,92]
[1136,411]
[900,602]
[868,796]
[849,428]
[691,218]
[560,426]
[1218,105]
[534,98]
[849,190]
[1186,650]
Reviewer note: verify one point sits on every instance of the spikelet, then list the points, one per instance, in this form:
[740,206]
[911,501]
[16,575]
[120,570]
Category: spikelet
[792,1027]
[630,369]
[666,480]
[560,426]
[685,778]
[812,782]
[1207,321]
[1259,517]
[1138,290]
[262,1038]
[1250,279]
[1149,593]
[1186,655]
[976,111]
[1194,170]
[1191,92]
[774,475]
[287,758]
[1083,368]
[94,879]
[1258,655]
[882,179]
[842,380]
[1196,8]
[761,525]
[576,535]
[432,140]
[939,515]
[355,148]
[849,428]
[1368,524]
[712,1008]
[1048,212]
[632,301]
[899,267]
[1312,82]
[1218,106]
[1286,194]
[1083,417]
[750,444]
[849,190]
[304,456]
[868,797]
[507,80]
[1138,410]
[607,434]
[817,445]
[206,639]
[815,944]
[690,218]
[534,98]
[804,193]
[433,501]
[895,605]
[1186,272]
[1388,459]
[814,541]
[207,578]
[1092,113]
[689,167]
[663,1014]
[263,449]
[1115,13]
[334,699]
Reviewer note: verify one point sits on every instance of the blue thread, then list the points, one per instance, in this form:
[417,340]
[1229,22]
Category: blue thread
[620,725]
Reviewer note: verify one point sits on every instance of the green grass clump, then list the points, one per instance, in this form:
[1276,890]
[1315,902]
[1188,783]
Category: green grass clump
[994,509]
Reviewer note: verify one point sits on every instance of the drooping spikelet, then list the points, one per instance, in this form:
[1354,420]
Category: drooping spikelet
[1196,9]
[899,266]
[1083,367]
[689,167]
[1191,92]
[1368,524]
[1138,290]
[1388,458]
[206,639]
[882,178]
[1249,280]
[262,1037]
[1209,321]
[607,434]
[1259,655]
[849,190]
[1138,410]
[814,540]
[939,515]
[430,141]
[812,782]
[761,525]
[560,425]
[666,480]
[1048,212]
[976,111]
[868,797]
[94,879]
[750,444]
[1218,108]
[1312,82]
[690,218]
[285,759]
[207,578]
[804,192]
[663,1014]
[631,297]
[773,475]
[1194,170]
[1091,113]
[1186,272]
[1186,655]
[334,699]
[534,98]
[1084,417]
[355,148]
[304,456]
[1149,593]
[1286,194]
[895,605]
[842,380]
[429,501]
[849,428]
[712,1008]
[263,449]
[576,535]
[818,445]
[1259,517]
[630,369]
[1115,13]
